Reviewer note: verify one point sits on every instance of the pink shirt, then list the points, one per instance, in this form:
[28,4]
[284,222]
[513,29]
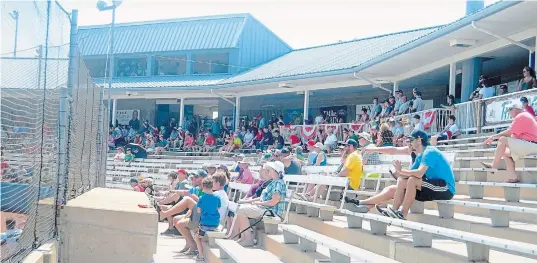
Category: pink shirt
[524,127]
[246,177]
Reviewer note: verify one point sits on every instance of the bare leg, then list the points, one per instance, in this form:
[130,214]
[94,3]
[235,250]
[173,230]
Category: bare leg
[198,244]
[510,166]
[500,150]
[185,203]
[171,198]
[400,193]
[243,223]
[185,232]
[413,183]
[387,194]
[434,140]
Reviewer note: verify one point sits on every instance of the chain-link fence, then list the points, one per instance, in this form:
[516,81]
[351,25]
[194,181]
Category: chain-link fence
[51,137]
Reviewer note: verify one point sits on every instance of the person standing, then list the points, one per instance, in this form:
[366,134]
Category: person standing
[529,81]
[134,123]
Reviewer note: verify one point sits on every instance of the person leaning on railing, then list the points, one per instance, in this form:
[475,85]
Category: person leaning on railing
[529,81]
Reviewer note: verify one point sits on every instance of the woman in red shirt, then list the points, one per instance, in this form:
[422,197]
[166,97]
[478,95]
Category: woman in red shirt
[294,139]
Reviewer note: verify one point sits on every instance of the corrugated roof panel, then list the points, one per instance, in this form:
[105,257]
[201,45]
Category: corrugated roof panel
[332,57]
[173,35]
[184,81]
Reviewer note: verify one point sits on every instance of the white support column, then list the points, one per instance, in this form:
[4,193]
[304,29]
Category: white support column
[395,87]
[182,112]
[114,109]
[452,78]
[306,105]
[237,111]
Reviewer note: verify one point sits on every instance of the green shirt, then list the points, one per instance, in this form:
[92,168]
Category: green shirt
[129,157]
[354,137]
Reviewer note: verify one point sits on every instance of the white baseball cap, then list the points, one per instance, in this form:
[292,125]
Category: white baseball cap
[277,166]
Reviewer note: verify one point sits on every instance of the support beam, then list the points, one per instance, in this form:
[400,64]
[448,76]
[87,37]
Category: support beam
[237,111]
[452,78]
[114,109]
[306,106]
[471,70]
[376,85]
[182,112]
[395,87]
[510,40]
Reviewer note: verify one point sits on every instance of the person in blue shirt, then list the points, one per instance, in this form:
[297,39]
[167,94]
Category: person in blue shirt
[207,207]
[429,178]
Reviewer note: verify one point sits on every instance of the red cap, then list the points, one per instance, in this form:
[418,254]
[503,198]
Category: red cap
[181,171]
[311,143]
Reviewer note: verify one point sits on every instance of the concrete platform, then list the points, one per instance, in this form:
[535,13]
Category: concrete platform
[106,225]
[168,248]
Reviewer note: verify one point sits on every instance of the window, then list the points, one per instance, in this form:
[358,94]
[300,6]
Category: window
[166,65]
[96,67]
[130,67]
[210,63]
[215,115]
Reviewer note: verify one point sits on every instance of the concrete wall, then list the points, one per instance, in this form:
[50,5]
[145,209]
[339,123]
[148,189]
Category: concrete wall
[47,253]
[146,107]
[107,226]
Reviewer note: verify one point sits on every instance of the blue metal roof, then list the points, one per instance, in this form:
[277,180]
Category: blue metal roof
[331,57]
[182,81]
[213,32]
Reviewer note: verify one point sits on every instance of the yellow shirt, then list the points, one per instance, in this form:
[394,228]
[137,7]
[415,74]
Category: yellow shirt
[354,164]
[237,141]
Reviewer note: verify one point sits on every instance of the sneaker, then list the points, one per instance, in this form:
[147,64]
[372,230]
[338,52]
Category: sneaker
[299,196]
[352,201]
[357,208]
[171,232]
[394,213]
[383,211]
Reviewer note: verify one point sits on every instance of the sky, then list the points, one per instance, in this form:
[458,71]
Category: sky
[300,23]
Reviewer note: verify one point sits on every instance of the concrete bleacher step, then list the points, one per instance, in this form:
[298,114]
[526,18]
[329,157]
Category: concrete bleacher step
[230,251]
[340,251]
[516,231]
[397,243]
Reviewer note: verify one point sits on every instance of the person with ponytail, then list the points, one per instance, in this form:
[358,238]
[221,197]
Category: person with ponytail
[272,198]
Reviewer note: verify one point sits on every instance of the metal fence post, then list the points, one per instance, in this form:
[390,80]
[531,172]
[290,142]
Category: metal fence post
[479,116]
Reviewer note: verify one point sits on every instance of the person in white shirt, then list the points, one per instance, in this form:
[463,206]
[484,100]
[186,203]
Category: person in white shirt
[417,123]
[319,119]
[450,132]
[419,104]
[219,182]
[120,155]
[331,140]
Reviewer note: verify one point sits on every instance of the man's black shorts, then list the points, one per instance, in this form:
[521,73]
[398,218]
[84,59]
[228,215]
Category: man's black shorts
[433,189]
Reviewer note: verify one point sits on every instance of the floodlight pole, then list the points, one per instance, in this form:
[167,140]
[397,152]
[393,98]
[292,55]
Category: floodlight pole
[15,16]
[111,73]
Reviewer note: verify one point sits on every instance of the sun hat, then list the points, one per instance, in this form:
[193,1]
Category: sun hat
[515,105]
[318,145]
[277,166]
[366,136]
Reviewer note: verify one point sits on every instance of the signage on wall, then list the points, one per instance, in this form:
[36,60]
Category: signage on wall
[124,116]
[335,114]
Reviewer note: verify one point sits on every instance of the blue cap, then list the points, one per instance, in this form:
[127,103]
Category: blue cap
[419,134]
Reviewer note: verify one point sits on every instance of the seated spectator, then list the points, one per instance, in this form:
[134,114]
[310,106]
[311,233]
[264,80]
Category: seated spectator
[450,132]
[245,175]
[148,185]
[268,139]
[162,145]
[487,91]
[209,144]
[120,156]
[258,138]
[330,143]
[368,158]
[364,117]
[503,89]
[312,154]
[248,141]
[207,206]
[111,140]
[174,138]
[527,106]
[529,81]
[237,142]
[515,143]
[129,157]
[299,153]
[136,186]
[397,104]
[417,123]
[279,142]
[349,135]
[320,156]
[398,132]
[405,104]
[386,109]
[190,143]
[294,139]
[138,139]
[291,164]
[150,144]
[450,105]
[272,198]
[386,136]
